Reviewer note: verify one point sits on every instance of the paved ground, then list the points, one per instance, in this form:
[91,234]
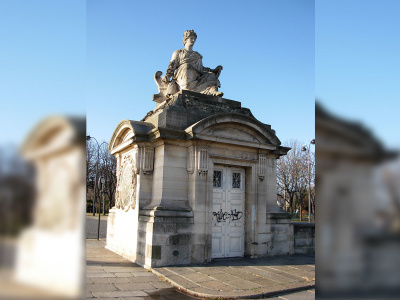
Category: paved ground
[91,226]
[244,277]
[110,276]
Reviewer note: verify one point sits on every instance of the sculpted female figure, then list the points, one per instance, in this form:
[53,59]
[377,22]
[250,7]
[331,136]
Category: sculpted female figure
[188,73]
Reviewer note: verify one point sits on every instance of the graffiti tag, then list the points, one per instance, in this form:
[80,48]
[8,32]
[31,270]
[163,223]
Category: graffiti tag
[223,216]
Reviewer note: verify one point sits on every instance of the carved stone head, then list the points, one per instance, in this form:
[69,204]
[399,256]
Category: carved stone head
[187,34]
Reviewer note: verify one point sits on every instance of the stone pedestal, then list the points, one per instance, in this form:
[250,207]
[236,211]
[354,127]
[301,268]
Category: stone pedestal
[164,241]
[166,194]
[280,228]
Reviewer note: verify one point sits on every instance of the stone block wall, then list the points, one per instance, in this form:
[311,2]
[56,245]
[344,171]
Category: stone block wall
[279,237]
[164,241]
[304,238]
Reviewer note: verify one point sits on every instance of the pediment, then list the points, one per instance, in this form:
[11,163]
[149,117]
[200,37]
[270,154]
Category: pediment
[235,131]
[127,131]
[234,127]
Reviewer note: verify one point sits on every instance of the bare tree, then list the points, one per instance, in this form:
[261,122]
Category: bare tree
[292,175]
[108,169]
[99,162]
[91,158]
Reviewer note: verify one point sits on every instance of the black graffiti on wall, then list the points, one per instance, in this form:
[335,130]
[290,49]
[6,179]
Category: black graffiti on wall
[223,216]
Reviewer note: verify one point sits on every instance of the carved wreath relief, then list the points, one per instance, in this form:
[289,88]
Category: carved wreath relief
[126,185]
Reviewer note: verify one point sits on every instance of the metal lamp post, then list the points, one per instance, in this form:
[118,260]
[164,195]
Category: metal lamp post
[101,184]
[309,177]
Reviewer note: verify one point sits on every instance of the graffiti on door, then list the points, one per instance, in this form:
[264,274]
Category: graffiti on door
[223,216]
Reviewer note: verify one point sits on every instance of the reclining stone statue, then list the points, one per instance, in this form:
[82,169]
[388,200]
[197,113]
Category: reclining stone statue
[186,72]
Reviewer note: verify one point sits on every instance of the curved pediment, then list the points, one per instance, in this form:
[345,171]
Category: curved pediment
[127,131]
[233,127]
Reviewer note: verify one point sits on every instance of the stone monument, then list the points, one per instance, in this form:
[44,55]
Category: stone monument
[196,176]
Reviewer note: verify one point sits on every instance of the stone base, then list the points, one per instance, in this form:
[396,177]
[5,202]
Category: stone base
[122,232]
[187,107]
[280,234]
[304,238]
[52,261]
[164,241]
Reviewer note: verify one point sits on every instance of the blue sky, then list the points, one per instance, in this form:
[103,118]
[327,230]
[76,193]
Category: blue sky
[42,62]
[357,63]
[99,58]
[265,47]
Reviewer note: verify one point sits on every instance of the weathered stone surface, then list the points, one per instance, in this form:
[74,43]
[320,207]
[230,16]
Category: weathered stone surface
[304,238]
[187,72]
[190,135]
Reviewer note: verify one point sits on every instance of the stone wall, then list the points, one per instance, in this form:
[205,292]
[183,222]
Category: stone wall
[304,238]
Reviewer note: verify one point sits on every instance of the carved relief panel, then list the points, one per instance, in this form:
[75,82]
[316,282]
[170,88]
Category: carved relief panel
[129,168]
[126,184]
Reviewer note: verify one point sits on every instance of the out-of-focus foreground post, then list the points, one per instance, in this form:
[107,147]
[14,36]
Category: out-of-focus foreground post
[358,237]
[50,253]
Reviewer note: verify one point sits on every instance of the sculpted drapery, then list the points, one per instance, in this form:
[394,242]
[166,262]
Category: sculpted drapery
[186,71]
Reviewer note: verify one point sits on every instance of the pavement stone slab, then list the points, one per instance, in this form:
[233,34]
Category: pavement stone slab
[160,284]
[165,272]
[117,294]
[123,274]
[224,277]
[182,281]
[122,269]
[243,284]
[134,279]
[100,280]
[100,287]
[181,270]
[119,280]
[216,285]
[206,291]
[146,273]
[197,277]
[134,286]
[92,275]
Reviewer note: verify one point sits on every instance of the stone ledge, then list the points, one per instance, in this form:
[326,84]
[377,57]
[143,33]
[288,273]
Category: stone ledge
[303,225]
[160,211]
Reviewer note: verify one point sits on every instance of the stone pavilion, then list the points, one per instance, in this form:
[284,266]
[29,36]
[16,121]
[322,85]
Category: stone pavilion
[196,177]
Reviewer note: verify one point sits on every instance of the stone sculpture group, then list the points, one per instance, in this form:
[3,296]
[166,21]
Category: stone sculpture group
[186,72]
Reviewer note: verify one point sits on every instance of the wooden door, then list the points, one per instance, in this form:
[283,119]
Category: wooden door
[228,212]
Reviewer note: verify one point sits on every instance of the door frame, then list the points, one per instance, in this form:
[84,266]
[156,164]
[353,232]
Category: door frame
[250,202]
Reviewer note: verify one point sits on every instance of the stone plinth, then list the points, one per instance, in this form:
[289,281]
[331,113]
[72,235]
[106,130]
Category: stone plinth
[304,238]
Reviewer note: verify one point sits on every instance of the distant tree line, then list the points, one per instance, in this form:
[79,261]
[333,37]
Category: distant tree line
[293,175]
